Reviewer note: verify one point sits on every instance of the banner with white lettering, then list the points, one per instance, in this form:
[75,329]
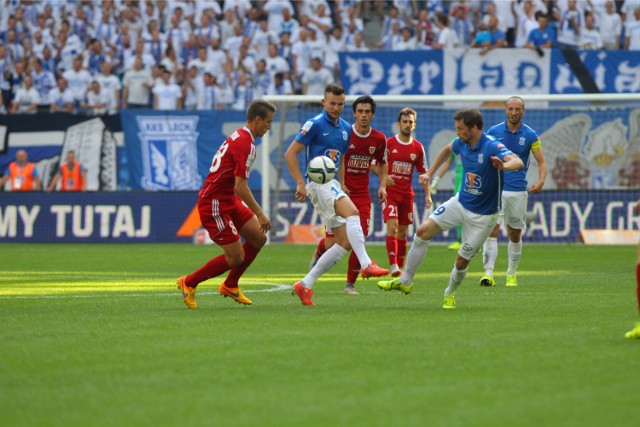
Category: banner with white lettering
[554,216]
[466,71]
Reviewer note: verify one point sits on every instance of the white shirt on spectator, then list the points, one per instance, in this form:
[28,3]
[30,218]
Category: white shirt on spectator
[111,85]
[78,81]
[316,80]
[134,81]
[25,98]
[61,98]
[168,95]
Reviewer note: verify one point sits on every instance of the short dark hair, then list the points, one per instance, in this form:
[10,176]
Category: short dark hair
[470,117]
[259,108]
[406,111]
[365,99]
[334,88]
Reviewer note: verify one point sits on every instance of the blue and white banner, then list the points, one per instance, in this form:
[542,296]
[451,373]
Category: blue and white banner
[173,150]
[127,217]
[500,71]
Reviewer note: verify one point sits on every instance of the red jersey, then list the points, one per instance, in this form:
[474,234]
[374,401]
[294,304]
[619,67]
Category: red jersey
[234,158]
[403,157]
[362,149]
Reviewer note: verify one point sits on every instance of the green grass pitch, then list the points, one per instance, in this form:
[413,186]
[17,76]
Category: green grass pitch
[97,335]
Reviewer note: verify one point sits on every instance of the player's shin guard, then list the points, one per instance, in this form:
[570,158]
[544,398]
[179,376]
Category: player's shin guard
[392,249]
[416,254]
[402,252]
[330,258]
[321,249]
[234,275]
[354,268]
[457,276]
[489,255]
[356,238]
[515,249]
[213,268]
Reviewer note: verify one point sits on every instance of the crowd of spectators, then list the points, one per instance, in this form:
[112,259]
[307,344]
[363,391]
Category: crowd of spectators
[99,56]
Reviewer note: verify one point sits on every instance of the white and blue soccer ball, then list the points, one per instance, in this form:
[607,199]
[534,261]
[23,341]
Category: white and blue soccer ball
[321,169]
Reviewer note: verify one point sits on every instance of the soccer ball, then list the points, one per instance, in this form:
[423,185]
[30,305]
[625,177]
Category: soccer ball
[321,169]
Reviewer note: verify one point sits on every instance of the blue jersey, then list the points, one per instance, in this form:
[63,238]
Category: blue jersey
[521,143]
[482,183]
[321,137]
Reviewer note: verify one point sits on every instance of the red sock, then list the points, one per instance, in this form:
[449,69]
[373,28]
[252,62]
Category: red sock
[250,254]
[402,252]
[321,248]
[638,284]
[213,268]
[354,268]
[392,249]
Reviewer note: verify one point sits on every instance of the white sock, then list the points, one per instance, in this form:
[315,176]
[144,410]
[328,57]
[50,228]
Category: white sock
[416,254]
[457,276]
[489,255]
[328,259]
[515,249]
[356,238]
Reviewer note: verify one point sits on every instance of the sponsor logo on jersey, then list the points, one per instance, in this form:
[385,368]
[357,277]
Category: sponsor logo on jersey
[333,155]
[473,182]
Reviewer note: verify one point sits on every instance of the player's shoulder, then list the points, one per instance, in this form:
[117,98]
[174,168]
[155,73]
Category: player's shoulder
[375,133]
[500,127]
[529,131]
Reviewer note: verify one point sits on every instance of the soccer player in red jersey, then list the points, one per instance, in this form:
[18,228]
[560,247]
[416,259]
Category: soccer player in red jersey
[405,154]
[366,144]
[635,332]
[228,209]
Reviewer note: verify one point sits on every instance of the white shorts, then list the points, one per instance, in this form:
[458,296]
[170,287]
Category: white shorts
[323,197]
[514,209]
[475,227]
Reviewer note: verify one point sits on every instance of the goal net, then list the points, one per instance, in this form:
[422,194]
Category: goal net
[591,144]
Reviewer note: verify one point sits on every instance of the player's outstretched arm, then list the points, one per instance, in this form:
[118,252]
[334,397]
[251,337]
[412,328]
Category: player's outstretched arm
[443,155]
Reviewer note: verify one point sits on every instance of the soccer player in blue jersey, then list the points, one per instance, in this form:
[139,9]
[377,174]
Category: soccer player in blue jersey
[327,134]
[522,141]
[475,207]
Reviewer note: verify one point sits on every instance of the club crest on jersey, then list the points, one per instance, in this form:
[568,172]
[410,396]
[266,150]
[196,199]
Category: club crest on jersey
[345,135]
[413,156]
[333,155]
[372,150]
[169,152]
[306,127]
[481,158]
[522,140]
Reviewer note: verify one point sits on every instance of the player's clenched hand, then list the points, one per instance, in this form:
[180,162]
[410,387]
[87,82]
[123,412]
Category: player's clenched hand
[536,188]
[382,195]
[424,178]
[265,223]
[301,192]
[497,163]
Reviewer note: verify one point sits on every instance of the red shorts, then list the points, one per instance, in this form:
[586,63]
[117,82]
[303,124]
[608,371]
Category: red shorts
[363,204]
[223,218]
[398,207]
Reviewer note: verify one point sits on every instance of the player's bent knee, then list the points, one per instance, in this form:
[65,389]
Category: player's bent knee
[235,260]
